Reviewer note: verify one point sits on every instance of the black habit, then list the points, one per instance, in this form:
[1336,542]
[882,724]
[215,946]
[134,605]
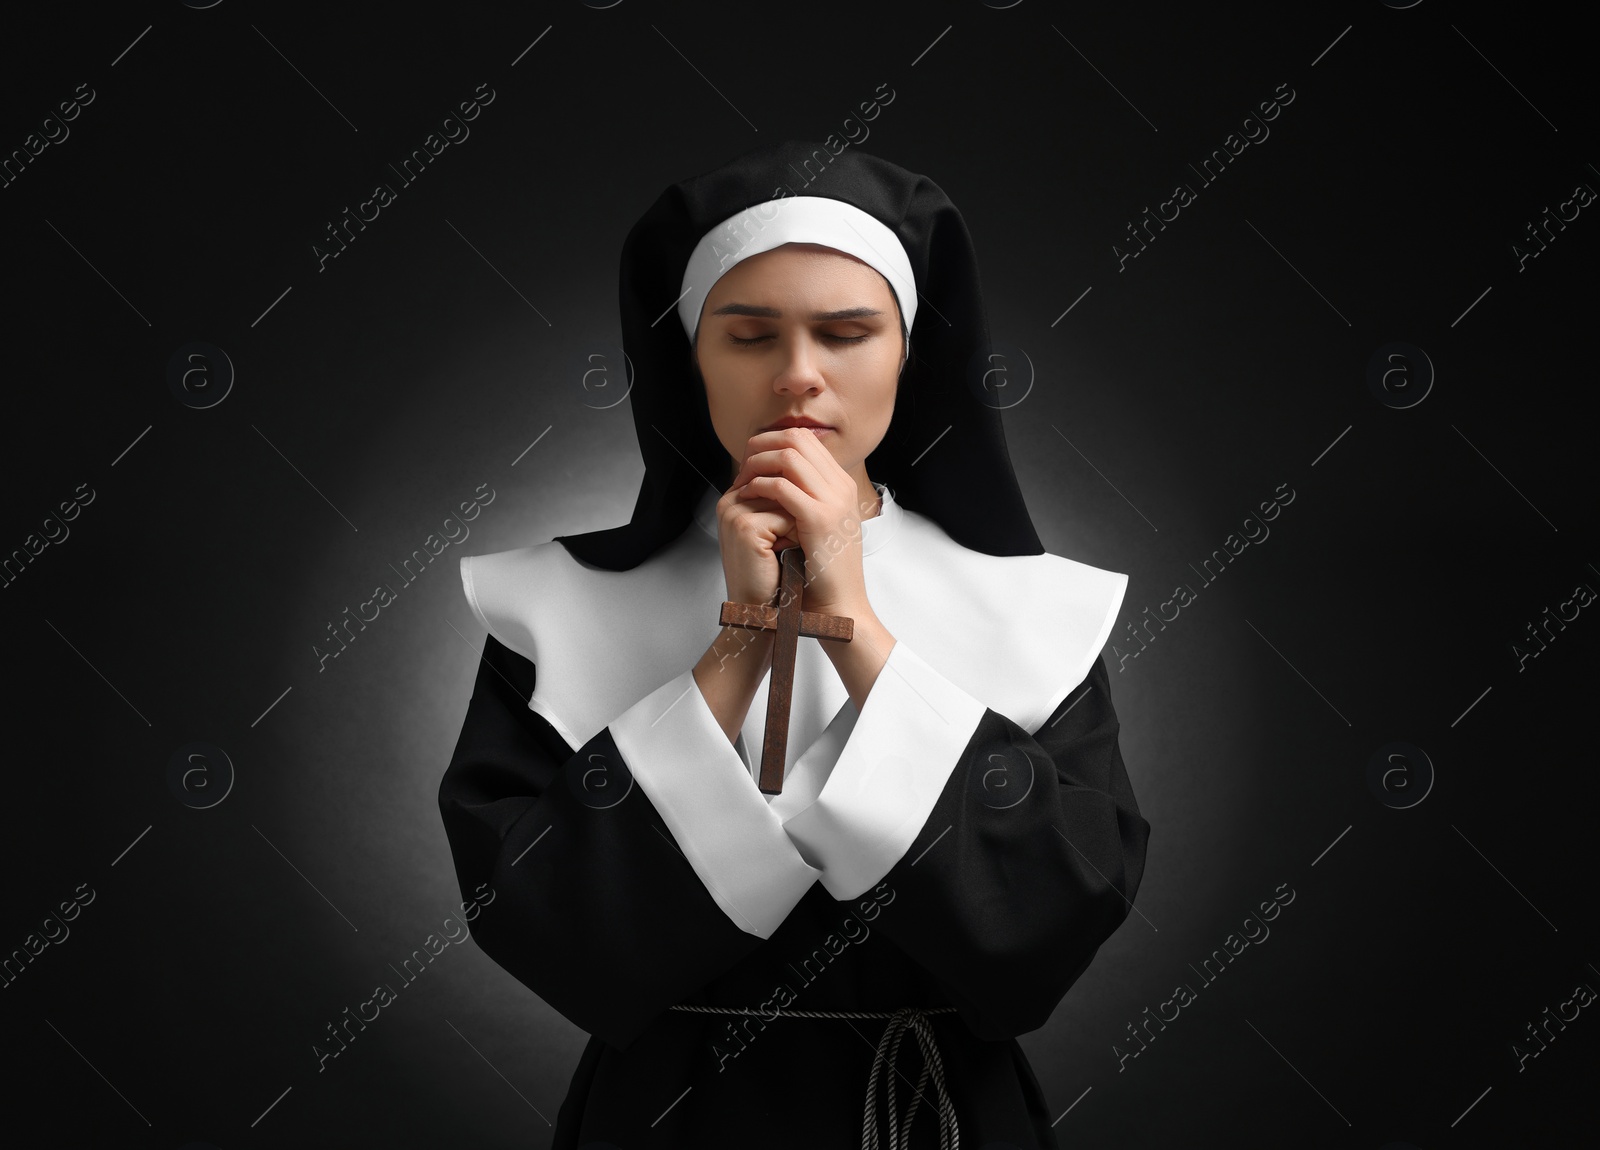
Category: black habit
[1018,863]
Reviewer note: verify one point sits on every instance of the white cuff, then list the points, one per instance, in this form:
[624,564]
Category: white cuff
[906,742]
[700,785]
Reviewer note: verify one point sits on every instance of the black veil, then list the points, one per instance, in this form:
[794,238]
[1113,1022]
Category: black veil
[964,482]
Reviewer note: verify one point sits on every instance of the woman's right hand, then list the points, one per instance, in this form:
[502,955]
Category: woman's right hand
[751,530]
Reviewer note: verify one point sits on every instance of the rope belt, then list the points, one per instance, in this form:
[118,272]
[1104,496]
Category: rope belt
[914,1018]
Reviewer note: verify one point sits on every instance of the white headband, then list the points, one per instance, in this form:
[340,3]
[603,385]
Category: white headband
[796,219]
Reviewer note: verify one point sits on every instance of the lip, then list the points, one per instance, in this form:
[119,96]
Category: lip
[800,421]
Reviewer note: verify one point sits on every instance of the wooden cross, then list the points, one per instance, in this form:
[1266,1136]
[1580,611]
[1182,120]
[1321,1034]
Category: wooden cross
[790,622]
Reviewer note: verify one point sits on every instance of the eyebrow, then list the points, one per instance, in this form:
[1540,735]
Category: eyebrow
[816,316]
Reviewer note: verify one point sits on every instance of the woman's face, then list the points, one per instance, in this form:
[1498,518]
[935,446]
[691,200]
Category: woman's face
[802,330]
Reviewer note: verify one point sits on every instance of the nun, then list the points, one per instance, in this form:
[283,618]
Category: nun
[954,835]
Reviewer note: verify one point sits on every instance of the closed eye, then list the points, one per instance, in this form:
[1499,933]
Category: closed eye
[763,338]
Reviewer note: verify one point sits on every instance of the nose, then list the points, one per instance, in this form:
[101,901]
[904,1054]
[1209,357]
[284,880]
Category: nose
[800,370]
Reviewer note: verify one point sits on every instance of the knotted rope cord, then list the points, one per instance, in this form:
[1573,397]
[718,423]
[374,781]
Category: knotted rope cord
[912,1017]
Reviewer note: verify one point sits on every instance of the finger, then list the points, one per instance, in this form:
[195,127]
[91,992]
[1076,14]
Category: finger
[746,501]
[763,514]
[807,443]
[738,501]
[778,464]
[768,527]
[764,455]
[791,498]
[744,497]
[767,510]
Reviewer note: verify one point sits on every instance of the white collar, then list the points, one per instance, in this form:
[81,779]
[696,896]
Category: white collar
[1017,632]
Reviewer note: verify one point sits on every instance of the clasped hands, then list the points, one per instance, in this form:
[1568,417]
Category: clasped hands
[791,491]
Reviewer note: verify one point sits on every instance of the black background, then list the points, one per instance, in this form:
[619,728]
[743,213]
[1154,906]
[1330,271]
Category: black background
[1392,998]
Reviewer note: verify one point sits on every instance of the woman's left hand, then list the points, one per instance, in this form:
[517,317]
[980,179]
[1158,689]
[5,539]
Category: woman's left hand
[792,467]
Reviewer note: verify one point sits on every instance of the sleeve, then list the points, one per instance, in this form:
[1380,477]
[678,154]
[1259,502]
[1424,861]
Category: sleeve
[614,887]
[1009,856]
